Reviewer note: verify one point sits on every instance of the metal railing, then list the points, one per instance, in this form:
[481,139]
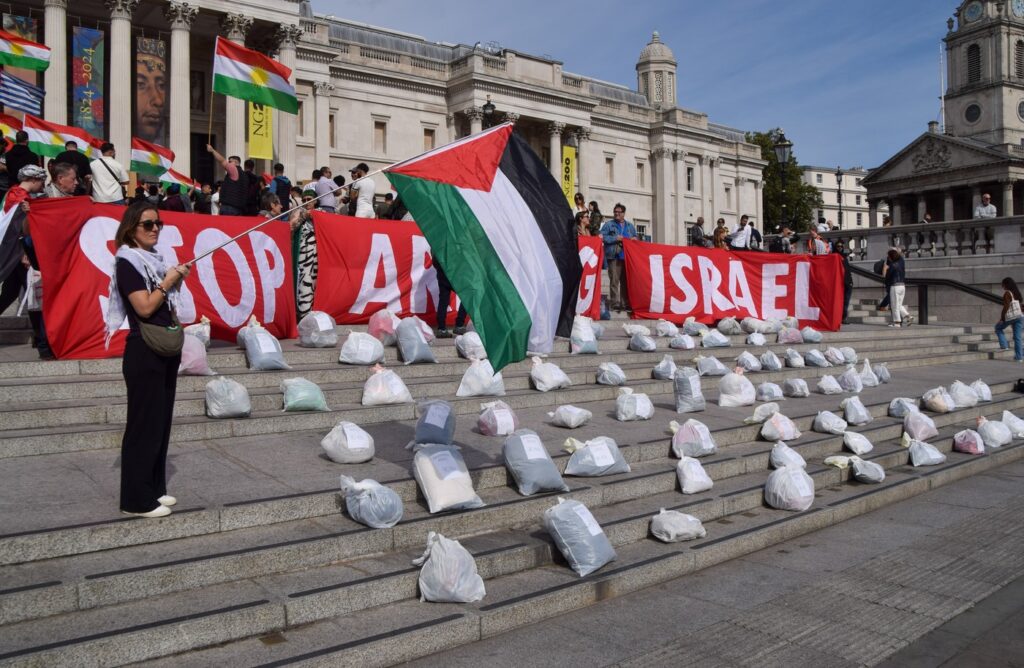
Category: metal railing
[923,283]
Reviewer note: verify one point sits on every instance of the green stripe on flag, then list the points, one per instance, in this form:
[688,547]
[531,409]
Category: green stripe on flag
[147,168]
[260,94]
[25,61]
[45,149]
[473,268]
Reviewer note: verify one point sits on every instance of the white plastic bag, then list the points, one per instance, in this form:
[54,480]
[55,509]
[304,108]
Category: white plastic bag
[882,371]
[436,423]
[868,378]
[570,417]
[631,328]
[1015,424]
[849,355]
[756,339]
[814,358]
[855,412]
[642,343]
[348,443]
[193,358]
[687,390]
[692,439]
[753,325]
[770,361]
[783,455]
[470,347]
[789,488]
[901,406]
[444,479]
[729,326]
[779,428]
[303,395]
[962,394]
[481,381]
[263,351]
[829,385]
[827,422]
[789,336]
[413,345]
[610,373]
[385,387]
[630,406]
[994,433]
[713,338]
[710,366]
[252,326]
[497,419]
[794,359]
[968,442]
[371,503]
[530,465]
[582,340]
[226,398]
[692,477]
[735,390]
[448,572]
[682,342]
[919,426]
[598,330]
[317,330]
[382,326]
[835,356]
[597,457]
[838,461]
[200,330]
[693,328]
[748,362]
[938,400]
[547,376]
[866,472]
[858,444]
[578,536]
[921,453]
[672,526]
[850,380]
[665,369]
[795,388]
[762,413]
[360,348]
[811,335]
[769,392]
[982,389]
[665,328]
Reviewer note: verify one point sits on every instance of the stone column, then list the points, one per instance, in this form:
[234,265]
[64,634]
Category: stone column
[55,79]
[122,68]
[663,227]
[555,149]
[896,211]
[180,15]
[1007,208]
[678,173]
[582,137]
[872,213]
[322,148]
[948,210]
[922,207]
[708,218]
[759,203]
[234,27]
[712,190]
[476,119]
[975,198]
[287,124]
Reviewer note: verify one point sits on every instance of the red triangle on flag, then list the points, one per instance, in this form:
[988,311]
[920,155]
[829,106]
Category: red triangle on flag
[468,163]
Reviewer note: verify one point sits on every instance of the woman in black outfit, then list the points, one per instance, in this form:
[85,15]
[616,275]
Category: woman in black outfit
[145,286]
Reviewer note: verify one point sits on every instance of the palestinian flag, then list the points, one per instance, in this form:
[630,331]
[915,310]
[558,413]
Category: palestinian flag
[170,176]
[150,159]
[18,52]
[48,139]
[500,227]
[9,126]
[249,75]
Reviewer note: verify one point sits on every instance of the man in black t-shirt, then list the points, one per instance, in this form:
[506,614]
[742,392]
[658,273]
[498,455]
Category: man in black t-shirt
[73,156]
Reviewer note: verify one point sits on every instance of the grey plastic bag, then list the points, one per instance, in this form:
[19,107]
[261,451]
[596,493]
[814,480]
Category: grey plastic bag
[756,339]
[682,342]
[692,327]
[531,466]
[882,371]
[317,330]
[672,526]
[448,572]
[714,339]
[794,359]
[263,351]
[226,398]
[303,395]
[748,362]
[371,503]
[688,393]
[412,344]
[665,369]
[769,392]
[770,361]
[811,335]
[710,366]
[436,423]
[578,536]
[610,373]
[597,457]
[642,343]
[866,472]
[795,388]
[729,326]
[815,358]
[901,406]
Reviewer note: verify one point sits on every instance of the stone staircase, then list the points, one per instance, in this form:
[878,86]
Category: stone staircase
[259,565]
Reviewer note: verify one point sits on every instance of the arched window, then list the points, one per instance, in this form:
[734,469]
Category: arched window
[973,63]
[1018,59]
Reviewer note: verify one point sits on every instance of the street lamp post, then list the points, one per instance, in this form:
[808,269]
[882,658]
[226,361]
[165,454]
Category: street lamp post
[488,110]
[783,151]
[839,194]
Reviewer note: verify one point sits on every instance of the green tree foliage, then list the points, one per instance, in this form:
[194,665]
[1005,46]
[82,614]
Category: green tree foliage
[802,199]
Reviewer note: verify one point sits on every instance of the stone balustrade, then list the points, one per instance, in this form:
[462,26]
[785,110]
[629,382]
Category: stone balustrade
[955,238]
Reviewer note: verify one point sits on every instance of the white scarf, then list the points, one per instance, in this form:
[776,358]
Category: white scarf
[152,268]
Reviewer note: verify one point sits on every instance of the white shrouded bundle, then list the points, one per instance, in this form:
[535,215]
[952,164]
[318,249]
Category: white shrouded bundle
[371,503]
[938,400]
[982,389]
[692,477]
[630,406]
[795,388]
[382,327]
[850,380]
[469,346]
[783,455]
[631,328]
[762,413]
[789,488]
[348,443]
[756,339]
[811,335]
[849,355]
[713,338]
[317,330]
[748,362]
[672,526]
[1015,424]
[688,393]
[868,378]
[994,433]
[858,444]
[597,457]
[968,442]
[963,395]
[570,417]
[610,373]
[682,342]
[480,380]
[497,419]
[901,406]
[789,336]
[692,327]
[578,536]
[919,426]
[770,361]
[794,359]
[642,343]
[692,439]
[921,453]
[769,392]
[665,369]
[729,326]
[735,390]
[855,412]
[779,428]
[827,422]
[666,329]
[710,366]
[866,472]
[829,385]
[835,356]
[362,349]
[444,479]
[385,387]
[814,358]
[547,376]
[582,340]
[448,572]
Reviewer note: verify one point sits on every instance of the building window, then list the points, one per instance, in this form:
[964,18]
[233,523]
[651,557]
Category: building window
[1018,59]
[858,200]
[380,137]
[973,63]
[817,178]
[330,129]
[641,229]
[609,169]
[728,198]
[644,85]
[428,139]
[689,179]
[639,175]
[860,219]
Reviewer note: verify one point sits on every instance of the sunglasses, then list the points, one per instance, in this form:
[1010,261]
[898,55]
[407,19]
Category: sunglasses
[149,225]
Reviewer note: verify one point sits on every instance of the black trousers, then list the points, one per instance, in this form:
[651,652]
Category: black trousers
[12,286]
[151,381]
[847,295]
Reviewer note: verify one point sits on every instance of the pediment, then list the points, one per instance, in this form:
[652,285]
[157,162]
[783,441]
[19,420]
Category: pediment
[933,153]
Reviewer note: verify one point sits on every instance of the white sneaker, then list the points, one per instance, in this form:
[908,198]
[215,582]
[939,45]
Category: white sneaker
[167,500]
[159,511]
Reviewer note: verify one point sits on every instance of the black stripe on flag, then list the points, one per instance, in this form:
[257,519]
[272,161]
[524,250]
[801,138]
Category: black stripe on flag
[543,195]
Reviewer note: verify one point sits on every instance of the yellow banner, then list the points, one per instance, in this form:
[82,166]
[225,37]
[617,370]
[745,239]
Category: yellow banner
[261,136]
[569,173]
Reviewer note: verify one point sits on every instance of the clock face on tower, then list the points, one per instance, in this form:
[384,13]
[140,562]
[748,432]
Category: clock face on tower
[974,11]
[1018,8]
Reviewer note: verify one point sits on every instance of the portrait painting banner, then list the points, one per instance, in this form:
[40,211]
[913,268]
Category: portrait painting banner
[87,103]
[151,90]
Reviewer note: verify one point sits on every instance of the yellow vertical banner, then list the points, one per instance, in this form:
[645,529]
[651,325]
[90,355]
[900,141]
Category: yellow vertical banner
[568,172]
[261,135]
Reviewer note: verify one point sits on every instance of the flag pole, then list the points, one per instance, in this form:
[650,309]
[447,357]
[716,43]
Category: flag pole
[283,214]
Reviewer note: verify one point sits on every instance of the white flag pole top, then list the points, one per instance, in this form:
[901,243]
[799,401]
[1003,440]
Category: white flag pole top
[284,214]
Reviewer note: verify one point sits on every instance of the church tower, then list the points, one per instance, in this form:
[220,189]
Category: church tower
[656,74]
[985,65]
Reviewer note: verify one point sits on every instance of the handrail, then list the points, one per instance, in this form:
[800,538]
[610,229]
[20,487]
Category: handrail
[922,289]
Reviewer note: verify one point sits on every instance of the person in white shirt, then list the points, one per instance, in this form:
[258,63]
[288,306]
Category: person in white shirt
[108,177]
[740,238]
[365,188]
[986,209]
[823,225]
[326,190]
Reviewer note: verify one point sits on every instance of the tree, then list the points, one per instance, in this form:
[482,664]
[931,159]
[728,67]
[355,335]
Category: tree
[802,199]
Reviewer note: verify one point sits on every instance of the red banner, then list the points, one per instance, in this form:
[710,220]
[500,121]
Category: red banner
[591,257]
[674,282]
[74,241]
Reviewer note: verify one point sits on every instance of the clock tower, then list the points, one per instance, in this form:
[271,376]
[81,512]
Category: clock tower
[985,64]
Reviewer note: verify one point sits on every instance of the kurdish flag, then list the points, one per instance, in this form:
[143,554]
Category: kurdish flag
[48,139]
[247,74]
[171,177]
[9,126]
[151,159]
[500,227]
[18,52]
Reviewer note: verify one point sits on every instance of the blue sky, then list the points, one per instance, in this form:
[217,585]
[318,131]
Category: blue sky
[850,82]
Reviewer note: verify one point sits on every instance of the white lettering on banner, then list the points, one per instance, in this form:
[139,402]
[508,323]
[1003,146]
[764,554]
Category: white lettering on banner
[771,291]
[232,315]
[424,279]
[739,289]
[675,269]
[271,276]
[588,258]
[381,254]
[711,280]
[657,284]
[170,238]
[93,240]
[804,311]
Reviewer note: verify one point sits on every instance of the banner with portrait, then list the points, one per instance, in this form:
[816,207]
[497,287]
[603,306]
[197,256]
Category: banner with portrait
[87,102]
[150,120]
